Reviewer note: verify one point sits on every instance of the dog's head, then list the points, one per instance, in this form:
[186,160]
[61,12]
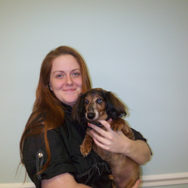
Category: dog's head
[98,104]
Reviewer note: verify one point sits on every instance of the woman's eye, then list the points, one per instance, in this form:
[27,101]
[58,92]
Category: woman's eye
[76,74]
[59,75]
[99,101]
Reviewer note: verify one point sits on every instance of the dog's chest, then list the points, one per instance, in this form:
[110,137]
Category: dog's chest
[108,156]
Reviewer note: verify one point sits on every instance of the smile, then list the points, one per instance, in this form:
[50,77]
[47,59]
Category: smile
[69,90]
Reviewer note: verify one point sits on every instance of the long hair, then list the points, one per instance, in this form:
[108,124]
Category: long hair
[47,112]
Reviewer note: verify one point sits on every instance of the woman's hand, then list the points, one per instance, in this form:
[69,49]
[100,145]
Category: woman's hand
[62,180]
[136,185]
[108,139]
[117,142]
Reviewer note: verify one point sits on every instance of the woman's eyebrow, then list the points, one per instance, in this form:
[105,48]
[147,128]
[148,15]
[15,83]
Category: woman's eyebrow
[59,71]
[76,69]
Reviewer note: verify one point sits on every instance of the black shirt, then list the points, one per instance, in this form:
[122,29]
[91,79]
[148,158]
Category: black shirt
[65,144]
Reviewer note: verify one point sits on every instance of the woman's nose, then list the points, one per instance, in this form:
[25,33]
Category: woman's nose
[69,80]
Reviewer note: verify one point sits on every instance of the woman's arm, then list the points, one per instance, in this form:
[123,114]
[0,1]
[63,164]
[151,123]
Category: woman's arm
[137,150]
[65,180]
[117,142]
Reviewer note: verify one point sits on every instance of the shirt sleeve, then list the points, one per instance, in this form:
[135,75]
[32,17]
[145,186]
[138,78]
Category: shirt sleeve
[138,135]
[60,161]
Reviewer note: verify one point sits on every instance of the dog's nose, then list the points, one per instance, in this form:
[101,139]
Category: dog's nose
[90,115]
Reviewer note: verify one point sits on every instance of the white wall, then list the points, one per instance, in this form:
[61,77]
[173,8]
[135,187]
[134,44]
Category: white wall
[136,48]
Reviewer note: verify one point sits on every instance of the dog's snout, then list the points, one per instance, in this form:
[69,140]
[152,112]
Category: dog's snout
[91,115]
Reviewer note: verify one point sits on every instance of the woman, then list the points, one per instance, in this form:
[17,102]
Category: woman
[49,146]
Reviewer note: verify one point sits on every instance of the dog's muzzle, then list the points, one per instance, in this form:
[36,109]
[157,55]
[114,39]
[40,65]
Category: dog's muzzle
[90,115]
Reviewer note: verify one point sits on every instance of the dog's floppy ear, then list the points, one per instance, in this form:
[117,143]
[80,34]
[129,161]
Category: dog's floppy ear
[78,112]
[114,107]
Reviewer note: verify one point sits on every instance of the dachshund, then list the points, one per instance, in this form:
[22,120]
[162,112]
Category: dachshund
[99,104]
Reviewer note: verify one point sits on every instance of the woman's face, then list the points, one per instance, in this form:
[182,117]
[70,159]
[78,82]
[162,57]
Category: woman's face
[66,79]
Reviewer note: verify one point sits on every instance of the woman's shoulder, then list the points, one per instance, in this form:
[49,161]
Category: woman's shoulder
[37,138]
[36,142]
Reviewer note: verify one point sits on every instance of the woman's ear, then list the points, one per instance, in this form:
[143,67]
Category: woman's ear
[114,107]
[49,86]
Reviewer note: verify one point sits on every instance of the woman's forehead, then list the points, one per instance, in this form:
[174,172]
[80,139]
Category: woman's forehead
[65,63]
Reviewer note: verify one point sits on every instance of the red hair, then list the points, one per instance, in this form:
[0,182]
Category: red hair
[47,111]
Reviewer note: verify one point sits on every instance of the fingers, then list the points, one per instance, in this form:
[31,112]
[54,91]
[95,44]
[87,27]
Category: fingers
[105,133]
[99,138]
[103,138]
[110,120]
[101,145]
[106,124]
[136,185]
[98,129]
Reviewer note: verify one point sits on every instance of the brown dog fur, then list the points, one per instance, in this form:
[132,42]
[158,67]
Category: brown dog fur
[98,104]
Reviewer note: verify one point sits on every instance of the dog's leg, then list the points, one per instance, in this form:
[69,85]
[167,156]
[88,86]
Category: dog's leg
[86,145]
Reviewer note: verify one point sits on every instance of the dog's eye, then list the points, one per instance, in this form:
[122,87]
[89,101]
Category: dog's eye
[86,101]
[99,101]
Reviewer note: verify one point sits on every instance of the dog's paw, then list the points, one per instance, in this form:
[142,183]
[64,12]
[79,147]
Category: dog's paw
[84,150]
